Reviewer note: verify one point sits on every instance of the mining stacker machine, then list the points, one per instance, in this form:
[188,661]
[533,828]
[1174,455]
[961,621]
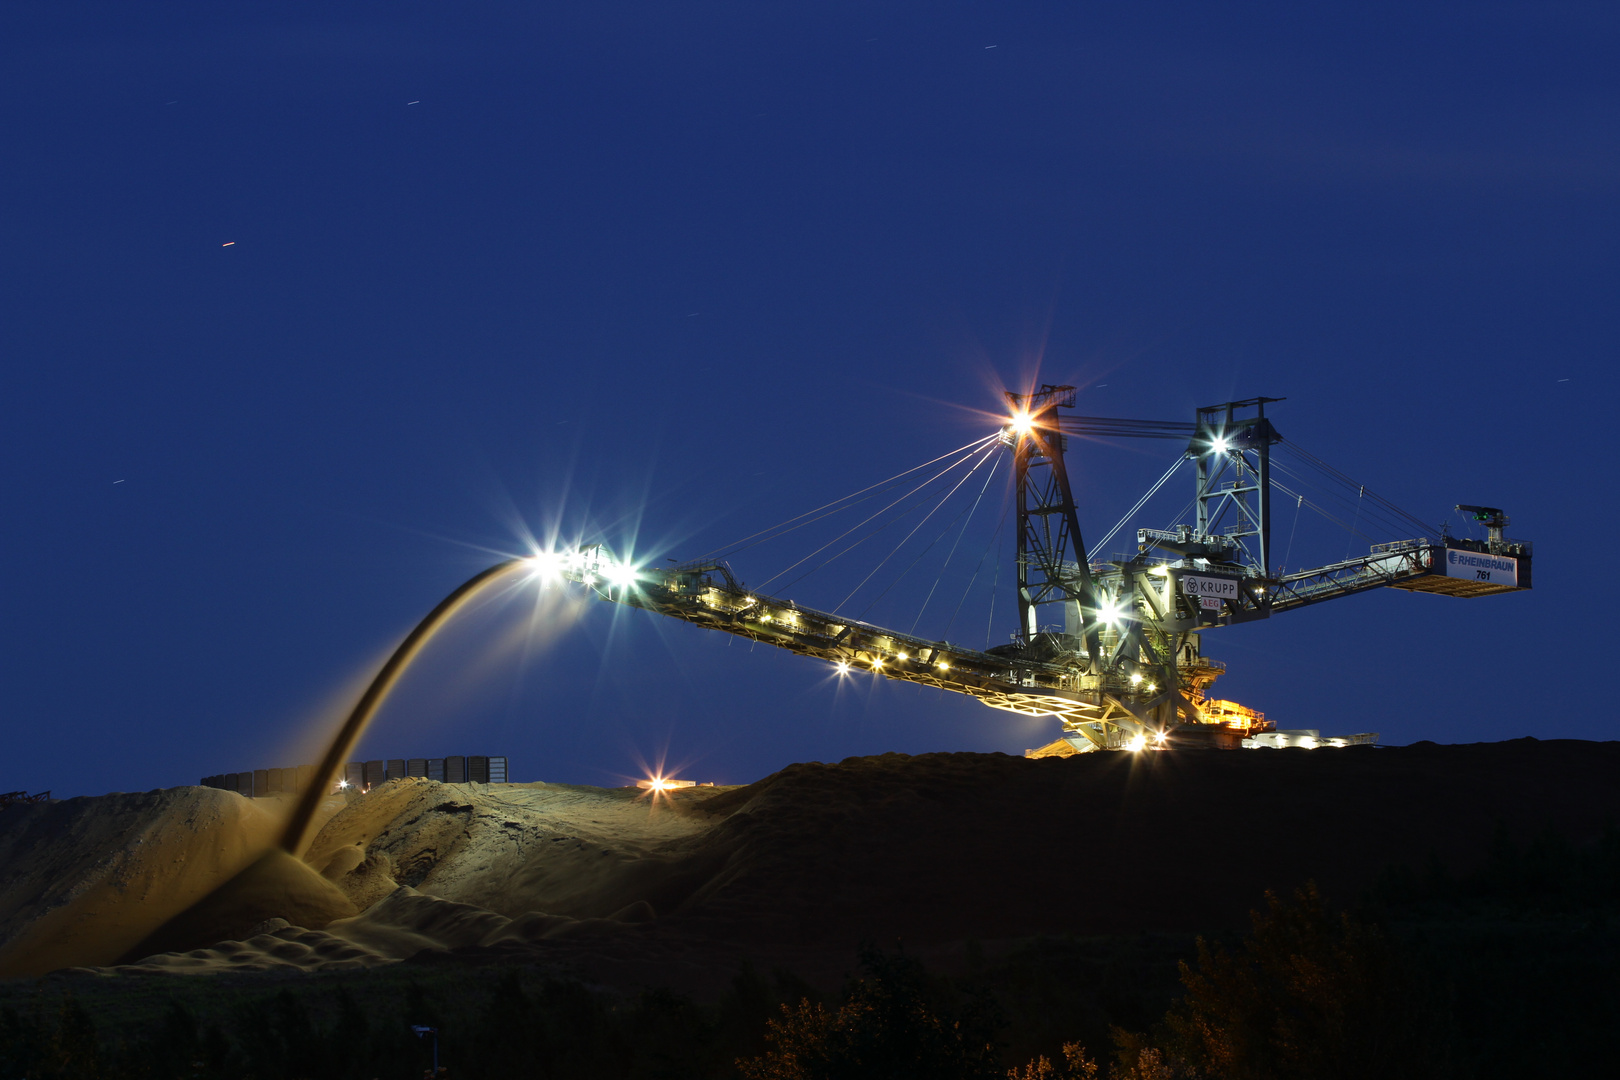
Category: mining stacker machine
[1110,648]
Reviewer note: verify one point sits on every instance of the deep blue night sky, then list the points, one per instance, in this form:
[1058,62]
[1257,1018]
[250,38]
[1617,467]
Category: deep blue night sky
[665,274]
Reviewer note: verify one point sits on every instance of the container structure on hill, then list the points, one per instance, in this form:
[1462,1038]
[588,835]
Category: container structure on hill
[364,775]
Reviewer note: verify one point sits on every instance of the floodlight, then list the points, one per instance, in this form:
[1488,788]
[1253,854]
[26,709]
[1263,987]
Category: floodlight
[547,565]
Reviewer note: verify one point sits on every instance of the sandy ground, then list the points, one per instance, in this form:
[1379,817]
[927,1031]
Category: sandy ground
[86,879]
[794,871]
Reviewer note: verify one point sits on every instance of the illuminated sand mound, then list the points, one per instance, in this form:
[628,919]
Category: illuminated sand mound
[800,867]
[273,886]
[86,879]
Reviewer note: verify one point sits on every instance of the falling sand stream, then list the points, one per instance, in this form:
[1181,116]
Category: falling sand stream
[309,800]
[277,883]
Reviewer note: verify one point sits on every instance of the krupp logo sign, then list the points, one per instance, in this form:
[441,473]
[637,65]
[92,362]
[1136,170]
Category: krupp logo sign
[1477,566]
[1209,588]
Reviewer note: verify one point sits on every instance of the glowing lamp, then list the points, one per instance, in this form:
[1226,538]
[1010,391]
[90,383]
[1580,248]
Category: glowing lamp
[547,565]
[662,784]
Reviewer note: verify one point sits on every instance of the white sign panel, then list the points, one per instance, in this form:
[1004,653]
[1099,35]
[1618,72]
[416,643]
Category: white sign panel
[1211,591]
[1478,566]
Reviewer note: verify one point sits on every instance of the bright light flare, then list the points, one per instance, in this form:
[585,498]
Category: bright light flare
[548,565]
[622,575]
[663,785]
[842,667]
[1161,737]
[1021,424]
[1137,743]
[1221,445]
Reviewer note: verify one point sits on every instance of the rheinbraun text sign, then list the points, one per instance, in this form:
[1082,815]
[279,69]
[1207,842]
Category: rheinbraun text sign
[1478,566]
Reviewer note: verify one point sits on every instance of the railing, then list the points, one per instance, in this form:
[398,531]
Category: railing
[1505,546]
[1386,564]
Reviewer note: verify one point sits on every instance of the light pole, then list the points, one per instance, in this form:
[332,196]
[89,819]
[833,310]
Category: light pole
[421,1031]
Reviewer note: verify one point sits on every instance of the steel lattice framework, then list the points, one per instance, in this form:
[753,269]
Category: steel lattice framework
[1111,648]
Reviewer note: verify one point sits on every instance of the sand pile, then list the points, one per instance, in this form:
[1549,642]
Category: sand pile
[800,867]
[274,886]
[579,852]
[87,879]
[95,879]
[952,846]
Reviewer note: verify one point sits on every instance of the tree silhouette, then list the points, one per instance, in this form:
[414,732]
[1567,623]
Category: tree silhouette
[891,1025]
[1075,1065]
[1310,995]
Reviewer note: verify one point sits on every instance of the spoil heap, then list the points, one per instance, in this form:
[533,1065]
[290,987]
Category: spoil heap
[793,870]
